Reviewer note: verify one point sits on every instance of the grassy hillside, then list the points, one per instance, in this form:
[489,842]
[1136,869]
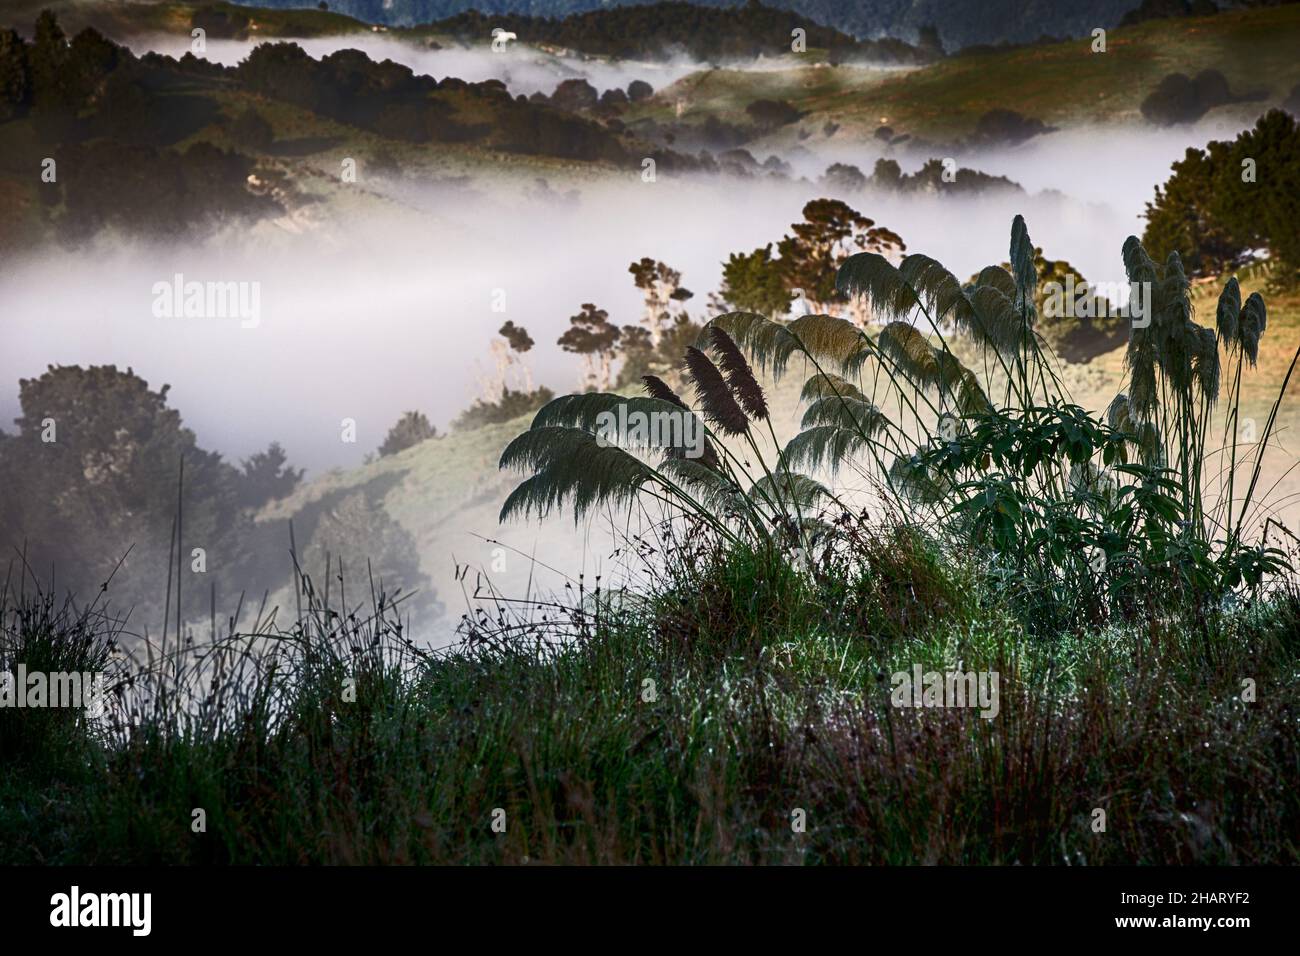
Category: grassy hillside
[1061,84]
[726,723]
[447,492]
[740,707]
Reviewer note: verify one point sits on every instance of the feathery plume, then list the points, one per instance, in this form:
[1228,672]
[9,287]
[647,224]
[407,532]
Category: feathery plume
[656,387]
[1254,319]
[1228,313]
[739,375]
[719,406]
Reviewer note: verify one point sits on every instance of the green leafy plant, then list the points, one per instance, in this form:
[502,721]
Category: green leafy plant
[1076,516]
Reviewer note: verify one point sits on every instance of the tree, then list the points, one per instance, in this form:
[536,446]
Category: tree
[1231,198]
[591,335]
[845,178]
[92,58]
[771,114]
[15,76]
[1262,210]
[1180,219]
[1001,127]
[613,100]
[831,231]
[638,91]
[411,429]
[267,476]
[661,286]
[754,282]
[517,337]
[1073,318]
[928,41]
[49,64]
[508,352]
[887,174]
[575,95]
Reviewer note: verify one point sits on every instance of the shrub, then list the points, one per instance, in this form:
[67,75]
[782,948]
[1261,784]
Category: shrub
[512,404]
[411,429]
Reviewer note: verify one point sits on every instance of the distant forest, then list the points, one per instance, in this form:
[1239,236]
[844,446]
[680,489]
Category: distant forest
[962,22]
[664,29]
[113,111]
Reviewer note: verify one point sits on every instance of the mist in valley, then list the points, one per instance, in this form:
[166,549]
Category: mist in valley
[368,315]
[389,301]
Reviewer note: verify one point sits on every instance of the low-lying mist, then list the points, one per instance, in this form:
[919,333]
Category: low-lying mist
[386,310]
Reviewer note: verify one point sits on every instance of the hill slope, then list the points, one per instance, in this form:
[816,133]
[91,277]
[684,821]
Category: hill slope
[447,492]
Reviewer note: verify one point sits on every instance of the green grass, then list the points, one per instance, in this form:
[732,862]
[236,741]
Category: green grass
[765,702]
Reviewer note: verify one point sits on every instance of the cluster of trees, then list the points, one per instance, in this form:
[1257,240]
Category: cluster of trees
[994,128]
[92,477]
[222,22]
[104,139]
[714,133]
[1179,98]
[577,95]
[509,405]
[390,99]
[1164,9]
[1233,198]
[888,176]
[805,262]
[652,345]
[146,190]
[114,122]
[1003,127]
[966,25]
[667,29]
[93,482]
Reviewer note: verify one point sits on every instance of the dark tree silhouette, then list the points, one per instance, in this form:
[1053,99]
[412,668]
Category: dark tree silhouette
[831,231]
[591,335]
[267,476]
[517,336]
[411,429]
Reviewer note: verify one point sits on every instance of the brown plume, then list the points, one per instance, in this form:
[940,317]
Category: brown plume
[739,375]
[719,407]
[657,388]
